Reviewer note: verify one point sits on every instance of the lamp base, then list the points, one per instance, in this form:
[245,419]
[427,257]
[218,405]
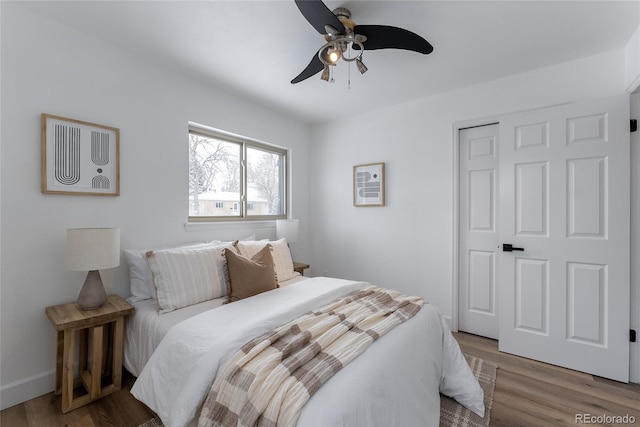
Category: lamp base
[92,294]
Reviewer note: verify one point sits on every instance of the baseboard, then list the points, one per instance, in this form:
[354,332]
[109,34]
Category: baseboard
[27,389]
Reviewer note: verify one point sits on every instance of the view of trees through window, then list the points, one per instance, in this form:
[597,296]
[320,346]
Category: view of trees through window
[218,185]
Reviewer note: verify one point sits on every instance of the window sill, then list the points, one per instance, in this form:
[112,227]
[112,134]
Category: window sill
[229,225]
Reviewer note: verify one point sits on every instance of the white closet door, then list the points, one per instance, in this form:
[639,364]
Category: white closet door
[478,231]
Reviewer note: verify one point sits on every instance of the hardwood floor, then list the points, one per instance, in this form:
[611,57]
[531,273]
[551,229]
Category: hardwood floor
[530,393]
[527,393]
[119,409]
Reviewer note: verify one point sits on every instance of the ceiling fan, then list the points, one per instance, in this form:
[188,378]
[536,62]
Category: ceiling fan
[342,34]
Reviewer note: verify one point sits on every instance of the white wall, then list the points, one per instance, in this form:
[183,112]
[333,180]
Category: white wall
[50,68]
[408,244]
[632,62]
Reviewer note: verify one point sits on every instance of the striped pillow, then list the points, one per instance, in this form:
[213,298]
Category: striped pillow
[140,276]
[281,256]
[187,276]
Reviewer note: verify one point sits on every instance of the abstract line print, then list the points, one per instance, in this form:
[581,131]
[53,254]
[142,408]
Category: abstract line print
[368,185]
[67,154]
[99,148]
[100,157]
[100,181]
[79,157]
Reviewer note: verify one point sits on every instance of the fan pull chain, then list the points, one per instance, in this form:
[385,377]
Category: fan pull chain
[349,72]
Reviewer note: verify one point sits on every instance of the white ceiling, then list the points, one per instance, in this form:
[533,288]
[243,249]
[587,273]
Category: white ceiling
[255,48]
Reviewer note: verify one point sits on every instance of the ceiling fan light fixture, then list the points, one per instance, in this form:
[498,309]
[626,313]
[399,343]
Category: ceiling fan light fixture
[330,54]
[333,55]
[325,73]
[361,67]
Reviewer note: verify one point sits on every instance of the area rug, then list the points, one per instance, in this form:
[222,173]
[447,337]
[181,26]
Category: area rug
[452,414]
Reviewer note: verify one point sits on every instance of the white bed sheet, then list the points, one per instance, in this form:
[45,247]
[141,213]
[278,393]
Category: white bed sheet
[395,382]
[145,328]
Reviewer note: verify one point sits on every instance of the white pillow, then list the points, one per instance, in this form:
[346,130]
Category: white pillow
[281,256]
[187,276]
[140,277]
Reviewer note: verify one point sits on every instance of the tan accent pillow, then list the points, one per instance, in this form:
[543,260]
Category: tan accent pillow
[280,253]
[250,276]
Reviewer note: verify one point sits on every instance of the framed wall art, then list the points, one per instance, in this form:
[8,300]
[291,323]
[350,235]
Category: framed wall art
[368,185]
[79,158]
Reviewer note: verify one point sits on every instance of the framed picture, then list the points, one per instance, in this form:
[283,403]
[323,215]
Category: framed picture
[79,158]
[368,185]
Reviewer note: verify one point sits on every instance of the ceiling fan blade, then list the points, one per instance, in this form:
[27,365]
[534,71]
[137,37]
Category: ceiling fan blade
[319,15]
[314,67]
[387,37]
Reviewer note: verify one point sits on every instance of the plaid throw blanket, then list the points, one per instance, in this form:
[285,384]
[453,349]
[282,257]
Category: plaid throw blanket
[268,381]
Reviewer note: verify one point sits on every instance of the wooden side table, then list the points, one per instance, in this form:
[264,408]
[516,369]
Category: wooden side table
[300,267]
[101,335]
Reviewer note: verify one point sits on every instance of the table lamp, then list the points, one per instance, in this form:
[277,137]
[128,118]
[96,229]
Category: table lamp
[92,249]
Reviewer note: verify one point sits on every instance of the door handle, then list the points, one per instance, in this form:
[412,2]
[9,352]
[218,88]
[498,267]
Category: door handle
[508,247]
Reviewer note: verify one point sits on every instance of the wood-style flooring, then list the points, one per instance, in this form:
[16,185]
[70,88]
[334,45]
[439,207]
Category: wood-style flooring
[119,409]
[527,393]
[530,393]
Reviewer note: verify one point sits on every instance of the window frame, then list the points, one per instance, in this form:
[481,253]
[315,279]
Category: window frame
[244,142]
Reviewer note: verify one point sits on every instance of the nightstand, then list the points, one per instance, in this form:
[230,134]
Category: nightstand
[99,334]
[300,267]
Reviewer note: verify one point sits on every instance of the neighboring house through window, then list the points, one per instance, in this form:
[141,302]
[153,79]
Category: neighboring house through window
[234,178]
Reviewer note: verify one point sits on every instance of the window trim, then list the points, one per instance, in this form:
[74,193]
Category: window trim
[244,143]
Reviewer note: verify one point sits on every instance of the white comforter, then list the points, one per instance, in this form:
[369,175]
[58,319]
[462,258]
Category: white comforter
[394,383]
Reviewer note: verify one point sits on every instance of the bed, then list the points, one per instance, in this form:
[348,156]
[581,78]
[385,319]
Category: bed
[396,381]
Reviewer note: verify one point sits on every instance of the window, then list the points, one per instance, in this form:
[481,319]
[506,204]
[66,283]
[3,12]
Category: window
[234,178]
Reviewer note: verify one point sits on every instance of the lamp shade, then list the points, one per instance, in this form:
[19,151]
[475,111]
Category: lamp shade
[287,228]
[92,248]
